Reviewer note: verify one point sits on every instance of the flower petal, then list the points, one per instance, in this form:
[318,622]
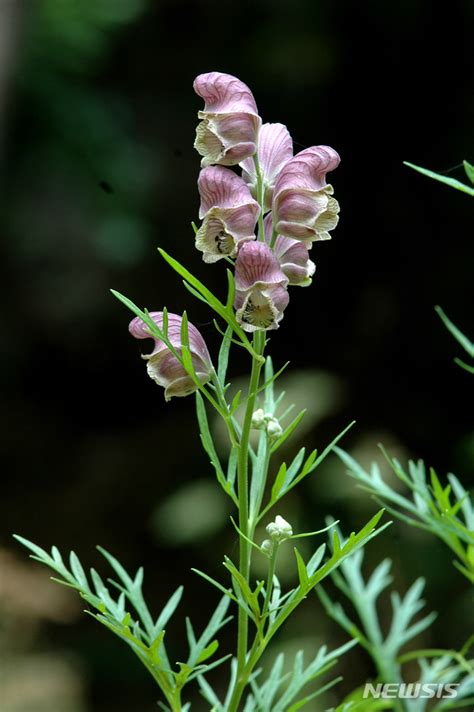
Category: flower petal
[275,149]
[257,265]
[224,93]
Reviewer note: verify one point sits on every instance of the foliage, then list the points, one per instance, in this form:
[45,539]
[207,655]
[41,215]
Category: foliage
[144,635]
[445,511]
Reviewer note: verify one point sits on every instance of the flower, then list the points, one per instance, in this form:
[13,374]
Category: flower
[230,122]
[280,529]
[275,148]
[228,211]
[292,255]
[163,366]
[303,206]
[260,288]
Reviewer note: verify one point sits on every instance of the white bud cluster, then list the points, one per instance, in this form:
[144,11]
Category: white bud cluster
[278,531]
[267,422]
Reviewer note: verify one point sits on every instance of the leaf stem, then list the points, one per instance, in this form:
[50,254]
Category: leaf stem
[243,495]
[260,196]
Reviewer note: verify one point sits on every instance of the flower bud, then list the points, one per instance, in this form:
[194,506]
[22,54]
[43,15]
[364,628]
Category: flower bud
[274,429]
[230,122]
[275,148]
[267,547]
[303,206]
[280,529]
[260,288]
[228,212]
[163,366]
[258,419]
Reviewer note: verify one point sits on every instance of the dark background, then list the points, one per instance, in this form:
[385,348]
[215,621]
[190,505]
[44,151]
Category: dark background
[98,168]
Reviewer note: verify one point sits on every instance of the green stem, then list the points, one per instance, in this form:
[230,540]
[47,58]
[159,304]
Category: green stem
[260,197]
[271,573]
[242,475]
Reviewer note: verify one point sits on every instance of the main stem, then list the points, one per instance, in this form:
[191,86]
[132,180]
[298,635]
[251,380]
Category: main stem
[243,488]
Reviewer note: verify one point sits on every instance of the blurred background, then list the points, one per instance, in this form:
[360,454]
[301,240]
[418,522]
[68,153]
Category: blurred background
[97,120]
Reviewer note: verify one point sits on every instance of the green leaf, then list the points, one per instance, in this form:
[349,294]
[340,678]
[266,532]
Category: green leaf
[208,445]
[208,651]
[465,366]
[279,480]
[224,356]
[302,573]
[462,339]
[212,301]
[469,169]
[288,431]
[442,179]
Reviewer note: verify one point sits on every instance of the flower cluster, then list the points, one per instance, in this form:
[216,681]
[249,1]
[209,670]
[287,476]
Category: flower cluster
[264,221]
[278,531]
[290,191]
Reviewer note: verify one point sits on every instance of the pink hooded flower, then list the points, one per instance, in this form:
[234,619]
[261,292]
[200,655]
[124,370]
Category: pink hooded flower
[230,122]
[260,288]
[303,206]
[163,366]
[228,211]
[292,255]
[275,148]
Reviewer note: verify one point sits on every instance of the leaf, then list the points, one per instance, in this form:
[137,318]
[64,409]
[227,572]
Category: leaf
[279,480]
[302,573]
[288,431]
[442,179]
[469,169]
[461,338]
[208,443]
[224,356]
[78,571]
[212,301]
[168,611]
[208,651]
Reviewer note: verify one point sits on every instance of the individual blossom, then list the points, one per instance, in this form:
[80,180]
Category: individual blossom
[227,133]
[228,212]
[293,256]
[162,364]
[303,206]
[275,148]
[260,288]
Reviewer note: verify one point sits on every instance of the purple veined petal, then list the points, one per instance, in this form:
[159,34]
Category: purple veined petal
[229,213]
[292,256]
[307,169]
[303,206]
[224,93]
[275,149]
[163,366]
[306,216]
[226,139]
[256,265]
[294,261]
[221,187]
[261,309]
